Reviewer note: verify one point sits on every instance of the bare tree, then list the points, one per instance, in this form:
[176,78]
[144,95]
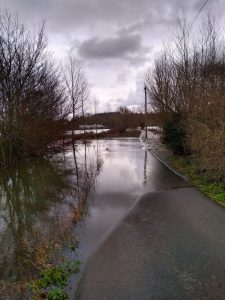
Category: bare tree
[30,90]
[96,102]
[76,87]
[188,83]
[77,94]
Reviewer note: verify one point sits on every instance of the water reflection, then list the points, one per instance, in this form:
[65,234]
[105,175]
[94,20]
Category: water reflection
[128,172]
[118,186]
[43,202]
[40,204]
[145,167]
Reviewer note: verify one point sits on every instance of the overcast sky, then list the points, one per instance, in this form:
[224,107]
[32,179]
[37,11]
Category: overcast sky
[116,39]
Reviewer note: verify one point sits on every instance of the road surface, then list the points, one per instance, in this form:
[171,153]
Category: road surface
[171,245]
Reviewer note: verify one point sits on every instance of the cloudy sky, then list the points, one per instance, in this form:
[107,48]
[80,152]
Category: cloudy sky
[116,39]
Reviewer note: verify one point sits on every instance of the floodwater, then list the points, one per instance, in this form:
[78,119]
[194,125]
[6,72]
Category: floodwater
[81,131]
[127,172]
[48,204]
[121,180]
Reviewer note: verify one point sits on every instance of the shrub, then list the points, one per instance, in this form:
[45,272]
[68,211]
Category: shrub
[174,134]
[31,95]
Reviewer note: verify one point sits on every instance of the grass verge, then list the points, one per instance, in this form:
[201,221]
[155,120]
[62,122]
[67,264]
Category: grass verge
[198,178]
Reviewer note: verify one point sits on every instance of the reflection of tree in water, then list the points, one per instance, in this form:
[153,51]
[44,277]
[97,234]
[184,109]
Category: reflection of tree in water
[85,178]
[145,167]
[40,203]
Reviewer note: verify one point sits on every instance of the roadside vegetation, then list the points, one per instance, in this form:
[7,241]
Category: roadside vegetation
[31,98]
[37,94]
[41,204]
[38,98]
[53,281]
[199,178]
[187,88]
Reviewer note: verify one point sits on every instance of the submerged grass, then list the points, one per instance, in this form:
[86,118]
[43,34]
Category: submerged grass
[214,189]
[49,269]
[44,240]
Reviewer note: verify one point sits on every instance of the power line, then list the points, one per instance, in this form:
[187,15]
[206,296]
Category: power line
[200,10]
[195,18]
[189,27]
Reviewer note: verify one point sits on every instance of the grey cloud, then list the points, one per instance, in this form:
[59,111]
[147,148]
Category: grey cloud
[65,14]
[126,46]
[119,31]
[110,47]
[101,16]
[151,20]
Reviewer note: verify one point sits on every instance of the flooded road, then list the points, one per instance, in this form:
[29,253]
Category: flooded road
[120,182]
[45,205]
[169,246]
[128,171]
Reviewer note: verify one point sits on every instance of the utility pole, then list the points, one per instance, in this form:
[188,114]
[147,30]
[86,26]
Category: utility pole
[146,129]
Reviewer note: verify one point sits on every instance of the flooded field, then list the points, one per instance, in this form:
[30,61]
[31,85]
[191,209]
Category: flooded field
[76,198]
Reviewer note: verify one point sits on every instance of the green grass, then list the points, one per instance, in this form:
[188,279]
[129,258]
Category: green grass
[189,168]
[52,282]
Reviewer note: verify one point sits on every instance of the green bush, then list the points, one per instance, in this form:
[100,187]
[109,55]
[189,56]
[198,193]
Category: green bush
[174,134]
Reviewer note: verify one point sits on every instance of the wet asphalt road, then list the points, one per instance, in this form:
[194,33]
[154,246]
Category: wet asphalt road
[171,245]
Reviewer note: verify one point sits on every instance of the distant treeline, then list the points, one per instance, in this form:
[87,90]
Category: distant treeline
[119,120]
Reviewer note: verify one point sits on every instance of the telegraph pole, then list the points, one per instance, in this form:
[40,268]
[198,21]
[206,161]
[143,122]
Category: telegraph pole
[146,129]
